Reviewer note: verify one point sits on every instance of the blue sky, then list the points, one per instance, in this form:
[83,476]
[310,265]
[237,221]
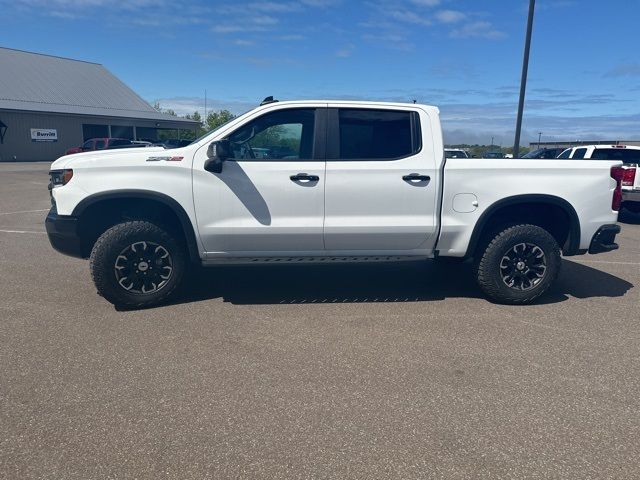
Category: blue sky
[462,55]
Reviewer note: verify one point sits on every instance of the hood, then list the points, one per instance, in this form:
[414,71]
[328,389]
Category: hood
[116,154]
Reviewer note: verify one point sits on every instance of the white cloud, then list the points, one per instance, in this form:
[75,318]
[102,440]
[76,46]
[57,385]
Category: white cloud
[450,16]
[277,7]
[264,20]
[624,70]
[187,105]
[479,29]
[426,3]
[408,16]
[243,43]
[291,37]
[346,51]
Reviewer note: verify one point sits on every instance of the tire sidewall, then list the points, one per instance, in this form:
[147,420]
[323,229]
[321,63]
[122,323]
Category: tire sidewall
[112,242]
[490,275]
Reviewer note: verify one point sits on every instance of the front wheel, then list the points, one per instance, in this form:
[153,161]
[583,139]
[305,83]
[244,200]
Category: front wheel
[518,264]
[137,264]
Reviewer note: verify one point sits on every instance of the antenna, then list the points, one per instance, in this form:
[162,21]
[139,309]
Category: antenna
[268,100]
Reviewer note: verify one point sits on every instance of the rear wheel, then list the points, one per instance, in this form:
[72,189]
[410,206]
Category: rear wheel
[518,264]
[137,264]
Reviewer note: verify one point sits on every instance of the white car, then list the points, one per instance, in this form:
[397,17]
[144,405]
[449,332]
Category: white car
[343,182]
[629,176]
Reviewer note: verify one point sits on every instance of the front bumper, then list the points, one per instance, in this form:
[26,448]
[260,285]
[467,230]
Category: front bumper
[604,239]
[63,234]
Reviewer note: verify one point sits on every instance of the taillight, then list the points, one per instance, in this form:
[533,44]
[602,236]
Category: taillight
[628,177]
[617,173]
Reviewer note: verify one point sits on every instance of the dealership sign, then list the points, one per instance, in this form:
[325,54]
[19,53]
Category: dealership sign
[44,135]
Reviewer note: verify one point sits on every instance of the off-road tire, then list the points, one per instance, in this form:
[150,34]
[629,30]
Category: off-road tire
[496,247]
[110,245]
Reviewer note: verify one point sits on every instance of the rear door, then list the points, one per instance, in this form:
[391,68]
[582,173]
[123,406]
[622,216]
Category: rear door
[380,192]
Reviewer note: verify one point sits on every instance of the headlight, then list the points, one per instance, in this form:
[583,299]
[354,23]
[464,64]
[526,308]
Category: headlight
[60,177]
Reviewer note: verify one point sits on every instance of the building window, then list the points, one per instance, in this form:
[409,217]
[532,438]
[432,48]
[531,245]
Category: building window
[94,131]
[3,130]
[118,131]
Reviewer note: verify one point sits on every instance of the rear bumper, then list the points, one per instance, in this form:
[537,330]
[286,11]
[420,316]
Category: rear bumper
[631,195]
[63,234]
[604,239]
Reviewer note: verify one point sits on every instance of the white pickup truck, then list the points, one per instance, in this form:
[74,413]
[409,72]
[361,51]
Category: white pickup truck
[630,176]
[323,182]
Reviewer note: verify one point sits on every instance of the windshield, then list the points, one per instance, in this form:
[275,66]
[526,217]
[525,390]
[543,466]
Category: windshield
[533,153]
[565,154]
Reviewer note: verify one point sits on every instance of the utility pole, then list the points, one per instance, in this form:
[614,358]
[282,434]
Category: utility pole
[539,137]
[492,141]
[205,105]
[523,81]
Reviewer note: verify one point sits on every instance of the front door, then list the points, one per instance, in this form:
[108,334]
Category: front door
[381,182]
[269,199]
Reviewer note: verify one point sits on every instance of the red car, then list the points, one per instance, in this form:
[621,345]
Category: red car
[100,144]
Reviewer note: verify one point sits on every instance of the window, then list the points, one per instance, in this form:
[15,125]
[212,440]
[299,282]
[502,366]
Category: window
[549,153]
[119,142]
[100,144]
[565,154]
[456,154]
[90,130]
[579,153]
[88,145]
[378,134]
[119,131]
[279,135]
[622,154]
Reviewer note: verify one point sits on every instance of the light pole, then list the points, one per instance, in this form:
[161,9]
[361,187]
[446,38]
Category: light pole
[492,141]
[539,136]
[523,81]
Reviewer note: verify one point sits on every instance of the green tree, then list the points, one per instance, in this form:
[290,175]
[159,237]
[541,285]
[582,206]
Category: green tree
[198,118]
[215,119]
[156,105]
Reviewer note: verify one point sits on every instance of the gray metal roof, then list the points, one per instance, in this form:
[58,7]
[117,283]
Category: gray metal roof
[44,83]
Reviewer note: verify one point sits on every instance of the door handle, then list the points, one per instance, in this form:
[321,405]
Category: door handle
[416,178]
[304,177]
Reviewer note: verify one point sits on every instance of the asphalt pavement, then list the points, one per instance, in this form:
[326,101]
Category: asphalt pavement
[362,371]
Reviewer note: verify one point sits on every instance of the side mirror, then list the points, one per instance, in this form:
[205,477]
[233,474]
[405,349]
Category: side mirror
[217,152]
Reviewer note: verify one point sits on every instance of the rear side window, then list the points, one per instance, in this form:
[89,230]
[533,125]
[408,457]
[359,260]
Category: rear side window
[579,153]
[622,154]
[368,134]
